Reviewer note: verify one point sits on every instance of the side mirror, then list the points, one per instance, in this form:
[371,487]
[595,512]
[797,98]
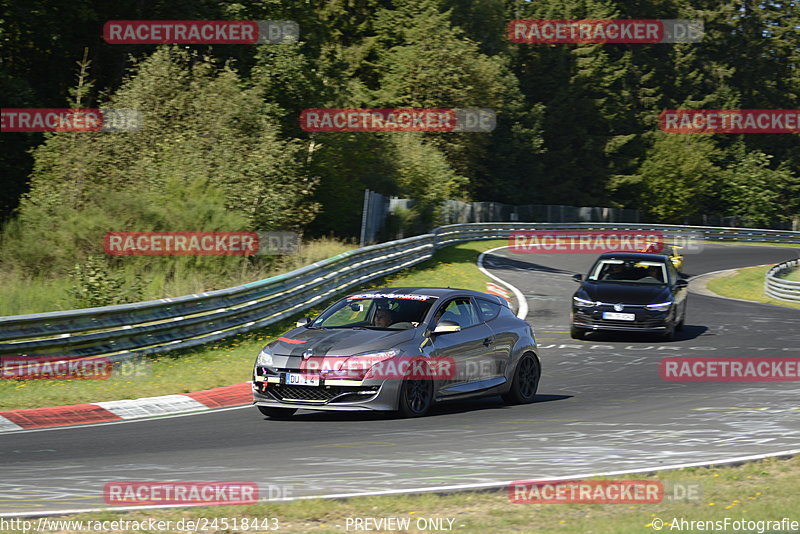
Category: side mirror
[447,327]
[303,322]
[681,283]
[577,277]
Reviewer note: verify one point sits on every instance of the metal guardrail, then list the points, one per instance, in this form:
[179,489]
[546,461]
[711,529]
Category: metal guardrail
[778,288]
[124,331]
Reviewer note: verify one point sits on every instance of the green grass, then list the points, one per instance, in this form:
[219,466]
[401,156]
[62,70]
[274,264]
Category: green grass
[453,266]
[231,361]
[793,275]
[747,284]
[22,294]
[763,490]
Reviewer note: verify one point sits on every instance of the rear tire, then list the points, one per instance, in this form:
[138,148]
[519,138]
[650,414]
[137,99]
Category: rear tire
[576,333]
[416,398]
[525,381]
[277,413]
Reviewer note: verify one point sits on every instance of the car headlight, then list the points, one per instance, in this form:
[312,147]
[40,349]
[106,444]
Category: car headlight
[661,306]
[264,358]
[368,359]
[583,303]
[359,365]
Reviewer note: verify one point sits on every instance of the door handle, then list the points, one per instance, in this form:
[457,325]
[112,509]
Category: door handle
[488,341]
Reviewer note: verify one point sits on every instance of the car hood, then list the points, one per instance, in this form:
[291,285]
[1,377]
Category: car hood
[613,293]
[338,341]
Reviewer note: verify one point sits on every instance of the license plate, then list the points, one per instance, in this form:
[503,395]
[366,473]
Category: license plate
[619,316]
[297,379]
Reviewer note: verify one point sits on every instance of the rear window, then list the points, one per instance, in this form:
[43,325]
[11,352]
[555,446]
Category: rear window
[489,309]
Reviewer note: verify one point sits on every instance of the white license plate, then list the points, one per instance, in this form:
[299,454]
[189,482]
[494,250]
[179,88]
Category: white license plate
[297,379]
[619,316]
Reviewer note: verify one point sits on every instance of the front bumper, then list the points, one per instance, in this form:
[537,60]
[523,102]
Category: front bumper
[339,395]
[645,321]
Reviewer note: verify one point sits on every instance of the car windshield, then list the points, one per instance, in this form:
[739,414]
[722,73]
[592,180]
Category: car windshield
[639,272]
[376,311]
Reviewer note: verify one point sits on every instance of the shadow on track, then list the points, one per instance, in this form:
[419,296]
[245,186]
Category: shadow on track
[505,263]
[688,332]
[441,409]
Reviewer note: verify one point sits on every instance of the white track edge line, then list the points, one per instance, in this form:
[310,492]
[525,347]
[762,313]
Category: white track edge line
[522,311]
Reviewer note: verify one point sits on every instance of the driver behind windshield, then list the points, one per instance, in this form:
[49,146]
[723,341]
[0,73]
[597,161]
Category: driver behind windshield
[616,272]
[383,317]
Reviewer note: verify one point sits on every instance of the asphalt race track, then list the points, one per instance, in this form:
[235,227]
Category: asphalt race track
[602,407]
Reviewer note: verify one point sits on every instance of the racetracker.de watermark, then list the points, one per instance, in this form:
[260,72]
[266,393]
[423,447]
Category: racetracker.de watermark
[55,368]
[713,369]
[200,32]
[200,243]
[605,31]
[144,493]
[65,120]
[385,367]
[398,120]
[85,368]
[584,241]
[603,492]
[730,120]
[601,241]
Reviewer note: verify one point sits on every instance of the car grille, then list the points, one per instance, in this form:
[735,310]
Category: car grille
[640,322]
[322,394]
[626,324]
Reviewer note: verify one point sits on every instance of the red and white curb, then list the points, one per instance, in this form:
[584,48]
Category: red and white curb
[522,310]
[123,410]
[495,289]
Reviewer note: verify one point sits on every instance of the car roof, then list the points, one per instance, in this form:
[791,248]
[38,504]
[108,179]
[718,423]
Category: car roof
[433,291]
[639,256]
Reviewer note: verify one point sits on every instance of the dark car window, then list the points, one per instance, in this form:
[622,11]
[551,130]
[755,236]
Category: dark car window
[673,273]
[459,310]
[489,310]
[379,311]
[637,271]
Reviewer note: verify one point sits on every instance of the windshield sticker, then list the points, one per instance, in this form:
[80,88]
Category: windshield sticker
[390,296]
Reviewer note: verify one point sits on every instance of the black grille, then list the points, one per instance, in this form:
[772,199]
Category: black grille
[643,320]
[627,324]
[324,393]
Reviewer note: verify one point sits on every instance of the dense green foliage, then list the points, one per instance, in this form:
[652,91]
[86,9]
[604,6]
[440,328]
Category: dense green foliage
[222,149]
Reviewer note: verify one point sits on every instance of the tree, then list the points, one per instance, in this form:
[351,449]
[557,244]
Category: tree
[678,177]
[758,194]
[204,138]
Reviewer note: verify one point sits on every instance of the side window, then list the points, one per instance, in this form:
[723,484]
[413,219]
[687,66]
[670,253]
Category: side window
[489,310]
[673,273]
[460,310]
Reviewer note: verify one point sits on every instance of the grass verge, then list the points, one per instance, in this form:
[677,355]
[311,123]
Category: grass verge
[747,284]
[766,490]
[223,364]
[160,276]
[793,275]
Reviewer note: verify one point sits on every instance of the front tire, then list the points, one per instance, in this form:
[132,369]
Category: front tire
[669,335]
[416,398]
[277,413]
[679,326]
[525,381]
[576,333]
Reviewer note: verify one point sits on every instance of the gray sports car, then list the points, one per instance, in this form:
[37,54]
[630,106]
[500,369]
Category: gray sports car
[401,350]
